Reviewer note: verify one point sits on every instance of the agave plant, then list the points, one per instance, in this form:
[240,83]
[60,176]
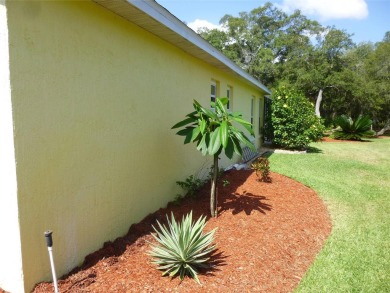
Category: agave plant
[352,130]
[182,247]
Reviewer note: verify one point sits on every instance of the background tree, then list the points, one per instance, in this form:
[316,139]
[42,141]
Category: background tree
[325,71]
[367,69]
[263,40]
[337,75]
[214,132]
[378,70]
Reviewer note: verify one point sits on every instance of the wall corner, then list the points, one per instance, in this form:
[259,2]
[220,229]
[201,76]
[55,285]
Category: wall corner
[11,272]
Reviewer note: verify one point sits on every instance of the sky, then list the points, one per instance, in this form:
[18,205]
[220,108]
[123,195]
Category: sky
[366,20]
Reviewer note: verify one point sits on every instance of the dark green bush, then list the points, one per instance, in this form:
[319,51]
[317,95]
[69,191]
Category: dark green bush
[293,119]
[352,130]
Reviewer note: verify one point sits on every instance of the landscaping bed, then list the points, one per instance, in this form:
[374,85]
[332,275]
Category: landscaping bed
[268,235]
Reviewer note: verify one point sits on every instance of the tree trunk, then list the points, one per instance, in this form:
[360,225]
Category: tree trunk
[213,194]
[318,103]
[384,129]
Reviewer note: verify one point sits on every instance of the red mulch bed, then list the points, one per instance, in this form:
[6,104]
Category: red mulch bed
[268,236]
[328,139]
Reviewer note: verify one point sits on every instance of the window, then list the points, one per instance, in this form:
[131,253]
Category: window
[252,110]
[229,95]
[213,93]
[260,116]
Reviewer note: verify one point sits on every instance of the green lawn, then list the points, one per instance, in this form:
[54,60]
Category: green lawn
[353,179]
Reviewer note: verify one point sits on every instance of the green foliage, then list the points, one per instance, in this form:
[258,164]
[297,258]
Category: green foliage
[190,185]
[211,172]
[377,67]
[256,39]
[293,119]
[261,166]
[182,247]
[352,130]
[279,48]
[213,132]
[225,182]
[363,85]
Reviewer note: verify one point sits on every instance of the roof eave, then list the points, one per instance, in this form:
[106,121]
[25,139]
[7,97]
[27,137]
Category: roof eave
[157,20]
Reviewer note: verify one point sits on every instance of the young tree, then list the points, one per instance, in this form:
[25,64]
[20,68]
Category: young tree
[214,132]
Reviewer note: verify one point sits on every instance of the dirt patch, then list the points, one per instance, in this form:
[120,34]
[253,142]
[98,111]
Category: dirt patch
[329,139]
[268,235]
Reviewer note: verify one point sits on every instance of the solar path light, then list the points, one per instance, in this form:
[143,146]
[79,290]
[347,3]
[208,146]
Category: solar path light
[49,243]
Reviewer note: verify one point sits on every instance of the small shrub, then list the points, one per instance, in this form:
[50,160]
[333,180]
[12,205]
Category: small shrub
[178,199]
[182,247]
[352,130]
[293,120]
[219,175]
[190,185]
[225,182]
[261,166]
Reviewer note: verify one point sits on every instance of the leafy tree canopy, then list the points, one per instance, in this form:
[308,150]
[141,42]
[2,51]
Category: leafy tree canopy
[322,62]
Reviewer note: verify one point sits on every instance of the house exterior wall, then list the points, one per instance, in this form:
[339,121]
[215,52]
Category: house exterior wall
[10,247]
[94,98]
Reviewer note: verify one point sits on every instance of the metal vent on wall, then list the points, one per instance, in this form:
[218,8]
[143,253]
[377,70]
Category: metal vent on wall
[248,154]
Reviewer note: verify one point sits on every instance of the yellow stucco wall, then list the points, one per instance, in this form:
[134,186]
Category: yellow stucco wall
[10,249]
[94,98]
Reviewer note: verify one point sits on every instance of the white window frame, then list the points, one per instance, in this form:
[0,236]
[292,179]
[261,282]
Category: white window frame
[229,95]
[260,103]
[252,111]
[213,96]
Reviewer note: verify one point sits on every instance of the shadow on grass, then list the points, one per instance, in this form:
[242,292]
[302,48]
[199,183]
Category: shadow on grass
[313,150]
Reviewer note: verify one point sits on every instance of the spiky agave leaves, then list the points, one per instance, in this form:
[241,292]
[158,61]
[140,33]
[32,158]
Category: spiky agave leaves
[352,130]
[182,247]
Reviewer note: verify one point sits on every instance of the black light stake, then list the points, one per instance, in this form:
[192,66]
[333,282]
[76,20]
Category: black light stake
[49,243]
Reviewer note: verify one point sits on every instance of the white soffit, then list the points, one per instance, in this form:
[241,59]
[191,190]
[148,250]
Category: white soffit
[154,18]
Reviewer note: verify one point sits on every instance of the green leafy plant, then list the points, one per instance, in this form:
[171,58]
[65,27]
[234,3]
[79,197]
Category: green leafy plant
[261,166]
[225,182]
[211,172]
[352,130]
[190,185]
[182,247]
[293,119]
[213,132]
